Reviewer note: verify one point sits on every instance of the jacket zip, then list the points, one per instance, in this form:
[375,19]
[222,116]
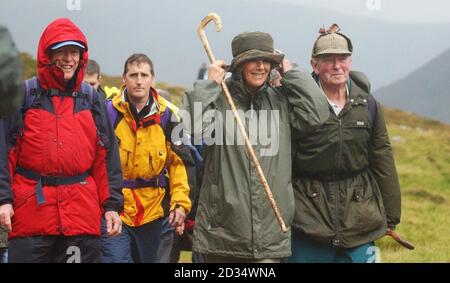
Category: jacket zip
[340,147]
[337,239]
[247,129]
[251,110]
[58,192]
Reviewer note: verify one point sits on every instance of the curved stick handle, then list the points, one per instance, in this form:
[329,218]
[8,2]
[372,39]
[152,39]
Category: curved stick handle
[201,32]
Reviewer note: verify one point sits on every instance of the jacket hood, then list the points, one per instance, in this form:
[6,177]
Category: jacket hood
[361,80]
[50,76]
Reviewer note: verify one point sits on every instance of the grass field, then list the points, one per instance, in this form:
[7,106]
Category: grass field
[422,153]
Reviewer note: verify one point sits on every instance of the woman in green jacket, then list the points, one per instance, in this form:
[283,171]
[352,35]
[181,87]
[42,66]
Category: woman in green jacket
[234,221]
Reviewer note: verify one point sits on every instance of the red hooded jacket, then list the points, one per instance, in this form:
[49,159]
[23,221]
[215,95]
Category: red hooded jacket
[49,75]
[63,137]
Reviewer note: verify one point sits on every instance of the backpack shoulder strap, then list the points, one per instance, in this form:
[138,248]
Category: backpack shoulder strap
[112,112]
[32,91]
[89,91]
[165,120]
[166,116]
[373,109]
[371,102]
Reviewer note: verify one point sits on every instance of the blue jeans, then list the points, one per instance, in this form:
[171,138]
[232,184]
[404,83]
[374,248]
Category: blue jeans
[304,250]
[135,244]
[4,255]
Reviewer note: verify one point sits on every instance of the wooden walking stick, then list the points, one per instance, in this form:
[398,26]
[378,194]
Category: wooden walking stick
[400,239]
[200,30]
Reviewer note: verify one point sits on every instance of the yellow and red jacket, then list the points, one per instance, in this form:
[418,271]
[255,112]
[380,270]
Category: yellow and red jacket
[146,152]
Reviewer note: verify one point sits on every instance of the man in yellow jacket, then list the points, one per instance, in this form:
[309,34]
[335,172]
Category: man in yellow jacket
[155,168]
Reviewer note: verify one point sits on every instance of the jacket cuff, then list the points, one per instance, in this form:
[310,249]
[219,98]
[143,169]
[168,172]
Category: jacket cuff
[174,206]
[111,208]
[6,202]
[391,226]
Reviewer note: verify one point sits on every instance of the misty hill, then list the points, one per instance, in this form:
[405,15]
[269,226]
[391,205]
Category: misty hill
[166,31]
[425,91]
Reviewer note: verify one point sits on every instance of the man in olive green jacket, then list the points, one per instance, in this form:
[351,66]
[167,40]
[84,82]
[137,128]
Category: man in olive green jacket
[234,221]
[346,187]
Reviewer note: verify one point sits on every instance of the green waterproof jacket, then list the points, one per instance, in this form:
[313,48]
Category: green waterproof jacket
[345,181]
[234,217]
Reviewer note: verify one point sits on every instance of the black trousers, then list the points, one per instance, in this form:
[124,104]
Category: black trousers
[58,249]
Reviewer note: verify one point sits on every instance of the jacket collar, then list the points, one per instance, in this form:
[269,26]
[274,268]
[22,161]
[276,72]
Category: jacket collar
[122,103]
[241,93]
[355,94]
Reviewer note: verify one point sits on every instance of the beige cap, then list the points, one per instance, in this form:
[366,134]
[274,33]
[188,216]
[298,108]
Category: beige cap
[331,41]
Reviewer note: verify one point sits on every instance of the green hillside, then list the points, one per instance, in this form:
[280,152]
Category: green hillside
[29,65]
[422,153]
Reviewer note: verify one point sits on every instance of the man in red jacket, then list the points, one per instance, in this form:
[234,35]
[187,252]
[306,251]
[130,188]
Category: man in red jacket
[64,165]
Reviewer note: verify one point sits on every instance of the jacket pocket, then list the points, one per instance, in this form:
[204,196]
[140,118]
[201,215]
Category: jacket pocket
[313,211]
[126,157]
[157,160]
[86,194]
[313,191]
[89,187]
[357,130]
[23,189]
[290,205]
[366,211]
[215,213]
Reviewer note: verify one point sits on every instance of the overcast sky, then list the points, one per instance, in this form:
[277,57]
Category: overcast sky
[417,11]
